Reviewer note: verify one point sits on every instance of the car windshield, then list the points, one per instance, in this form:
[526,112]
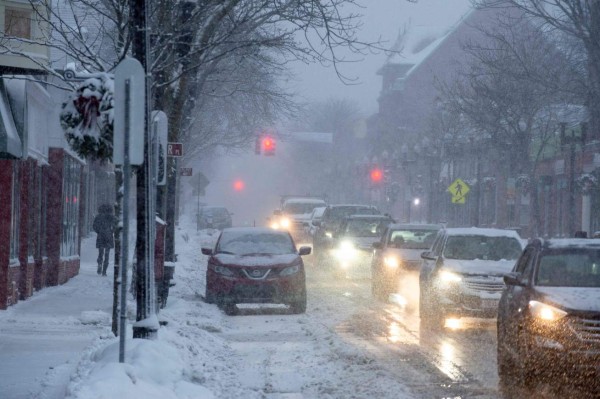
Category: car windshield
[341,212]
[412,239]
[470,247]
[297,208]
[365,227]
[263,243]
[573,267]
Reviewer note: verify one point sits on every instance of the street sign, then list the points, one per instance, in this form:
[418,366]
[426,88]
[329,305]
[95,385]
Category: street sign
[458,189]
[175,149]
[160,131]
[129,73]
[185,172]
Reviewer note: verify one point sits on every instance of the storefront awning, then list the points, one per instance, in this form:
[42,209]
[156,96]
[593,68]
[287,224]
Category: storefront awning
[10,142]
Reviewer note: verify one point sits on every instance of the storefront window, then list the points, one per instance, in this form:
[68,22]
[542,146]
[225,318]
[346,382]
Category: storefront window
[16,210]
[70,223]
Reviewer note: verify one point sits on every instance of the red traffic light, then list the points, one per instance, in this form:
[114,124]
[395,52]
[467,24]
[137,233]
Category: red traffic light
[376,175]
[239,185]
[268,145]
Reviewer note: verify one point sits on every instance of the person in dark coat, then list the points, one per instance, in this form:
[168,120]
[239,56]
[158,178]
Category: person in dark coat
[104,225]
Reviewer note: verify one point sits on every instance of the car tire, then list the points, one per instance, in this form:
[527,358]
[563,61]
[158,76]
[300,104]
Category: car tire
[429,312]
[507,383]
[209,297]
[230,308]
[299,305]
[378,290]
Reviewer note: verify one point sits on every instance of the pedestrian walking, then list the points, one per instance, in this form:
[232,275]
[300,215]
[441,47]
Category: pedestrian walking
[104,224]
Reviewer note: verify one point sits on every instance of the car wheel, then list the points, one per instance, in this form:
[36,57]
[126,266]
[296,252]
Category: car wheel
[507,383]
[431,315]
[230,309]
[209,297]
[299,305]
[378,289]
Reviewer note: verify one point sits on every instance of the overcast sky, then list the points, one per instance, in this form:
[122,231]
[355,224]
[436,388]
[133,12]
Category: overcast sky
[382,18]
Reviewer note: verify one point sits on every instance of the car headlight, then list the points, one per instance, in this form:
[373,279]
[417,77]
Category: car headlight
[285,223]
[391,262]
[288,271]
[541,311]
[274,226]
[328,234]
[449,277]
[224,271]
[346,251]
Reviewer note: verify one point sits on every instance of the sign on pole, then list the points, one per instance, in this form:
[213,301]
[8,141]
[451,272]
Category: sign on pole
[186,172]
[160,127]
[175,149]
[131,71]
[458,189]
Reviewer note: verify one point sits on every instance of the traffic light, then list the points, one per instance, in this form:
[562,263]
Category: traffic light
[268,145]
[376,175]
[239,185]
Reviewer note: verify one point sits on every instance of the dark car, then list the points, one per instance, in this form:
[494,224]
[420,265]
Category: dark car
[255,265]
[549,316]
[330,221]
[462,275]
[397,254]
[214,217]
[352,250]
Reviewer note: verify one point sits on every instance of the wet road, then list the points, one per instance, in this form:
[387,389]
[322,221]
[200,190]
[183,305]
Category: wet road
[456,362]
[453,363]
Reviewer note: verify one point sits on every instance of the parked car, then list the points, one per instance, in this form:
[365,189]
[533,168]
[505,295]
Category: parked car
[331,220]
[462,275]
[398,254]
[352,251]
[549,315]
[214,217]
[255,265]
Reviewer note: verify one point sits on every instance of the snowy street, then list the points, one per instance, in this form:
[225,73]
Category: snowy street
[347,345]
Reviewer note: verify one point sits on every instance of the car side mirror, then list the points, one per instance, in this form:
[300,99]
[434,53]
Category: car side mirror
[207,251]
[304,251]
[428,255]
[377,245]
[513,278]
[317,223]
[277,212]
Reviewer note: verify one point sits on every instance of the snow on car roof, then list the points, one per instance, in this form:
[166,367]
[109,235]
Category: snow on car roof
[415,226]
[304,201]
[351,206]
[253,230]
[572,242]
[368,217]
[470,231]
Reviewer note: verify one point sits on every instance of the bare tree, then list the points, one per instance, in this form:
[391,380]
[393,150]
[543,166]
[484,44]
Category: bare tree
[512,94]
[578,19]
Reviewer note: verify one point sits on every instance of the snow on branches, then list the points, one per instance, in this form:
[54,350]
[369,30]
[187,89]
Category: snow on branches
[87,118]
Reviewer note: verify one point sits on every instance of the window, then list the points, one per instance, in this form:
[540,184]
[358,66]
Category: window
[17,23]
[16,210]
[70,223]
[525,265]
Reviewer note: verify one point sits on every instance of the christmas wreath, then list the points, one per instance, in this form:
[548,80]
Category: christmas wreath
[87,118]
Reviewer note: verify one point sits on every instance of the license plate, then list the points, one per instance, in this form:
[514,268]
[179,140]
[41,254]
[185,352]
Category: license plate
[489,303]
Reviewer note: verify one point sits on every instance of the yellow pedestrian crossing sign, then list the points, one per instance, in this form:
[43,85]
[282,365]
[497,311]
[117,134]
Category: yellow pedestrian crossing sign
[459,190]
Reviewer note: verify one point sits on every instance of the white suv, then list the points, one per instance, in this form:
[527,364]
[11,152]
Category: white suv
[463,273]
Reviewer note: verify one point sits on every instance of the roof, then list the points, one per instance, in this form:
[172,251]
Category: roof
[571,243]
[472,231]
[418,42]
[415,226]
[382,217]
[253,230]
[351,205]
[304,201]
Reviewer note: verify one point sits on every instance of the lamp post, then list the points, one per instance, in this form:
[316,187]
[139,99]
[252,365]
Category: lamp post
[572,140]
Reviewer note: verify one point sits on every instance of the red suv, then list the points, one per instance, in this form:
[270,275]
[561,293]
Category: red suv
[255,265]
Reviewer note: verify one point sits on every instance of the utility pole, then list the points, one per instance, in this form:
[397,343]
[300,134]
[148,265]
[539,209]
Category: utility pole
[144,246]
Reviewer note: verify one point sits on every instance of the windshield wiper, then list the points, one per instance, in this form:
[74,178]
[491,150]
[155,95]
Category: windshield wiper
[226,252]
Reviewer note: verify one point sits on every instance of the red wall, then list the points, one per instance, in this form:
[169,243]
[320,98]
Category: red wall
[5,211]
